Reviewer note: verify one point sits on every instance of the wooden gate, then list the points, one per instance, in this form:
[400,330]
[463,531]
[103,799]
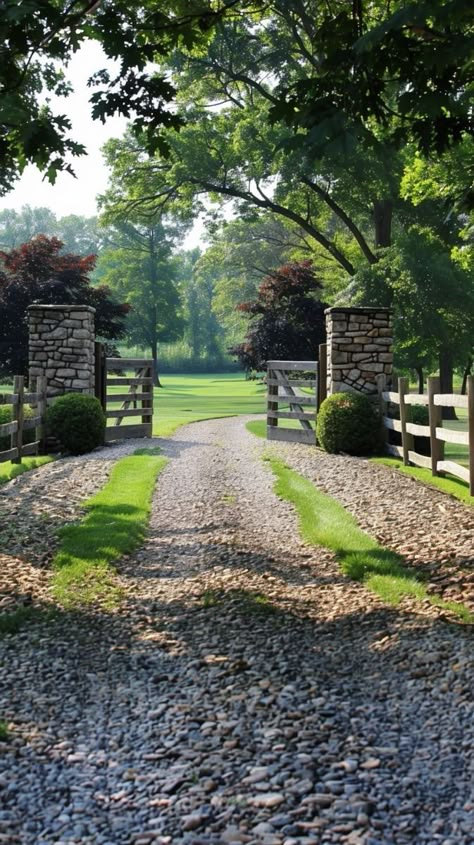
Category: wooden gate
[137,401]
[284,391]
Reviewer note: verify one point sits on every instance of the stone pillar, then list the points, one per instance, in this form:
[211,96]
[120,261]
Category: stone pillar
[61,347]
[360,344]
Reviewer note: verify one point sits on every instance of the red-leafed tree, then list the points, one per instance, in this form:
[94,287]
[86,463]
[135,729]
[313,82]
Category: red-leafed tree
[38,272]
[286,320]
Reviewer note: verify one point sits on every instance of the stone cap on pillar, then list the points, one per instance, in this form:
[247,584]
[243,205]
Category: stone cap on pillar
[77,307]
[362,309]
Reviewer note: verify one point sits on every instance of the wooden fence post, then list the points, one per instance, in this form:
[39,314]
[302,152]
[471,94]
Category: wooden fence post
[383,406]
[436,419]
[272,390]
[100,388]
[322,374]
[470,422]
[18,413]
[148,403]
[405,416]
[41,407]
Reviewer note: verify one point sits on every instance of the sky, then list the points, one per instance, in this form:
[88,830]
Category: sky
[71,195]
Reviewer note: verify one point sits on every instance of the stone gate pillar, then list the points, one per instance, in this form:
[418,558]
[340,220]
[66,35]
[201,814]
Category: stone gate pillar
[359,348]
[61,347]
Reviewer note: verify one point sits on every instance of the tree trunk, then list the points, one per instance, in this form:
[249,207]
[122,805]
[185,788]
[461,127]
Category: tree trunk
[383,222]
[446,381]
[154,355]
[421,379]
[466,373]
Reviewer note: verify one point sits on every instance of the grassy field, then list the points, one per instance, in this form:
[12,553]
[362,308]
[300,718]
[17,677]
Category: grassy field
[188,398]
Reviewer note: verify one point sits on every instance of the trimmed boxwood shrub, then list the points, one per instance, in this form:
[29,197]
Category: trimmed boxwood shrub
[77,421]
[349,422]
[6,412]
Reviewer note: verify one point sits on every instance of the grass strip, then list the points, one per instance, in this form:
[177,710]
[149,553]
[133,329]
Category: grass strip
[114,526]
[257,427]
[325,522]
[8,470]
[452,486]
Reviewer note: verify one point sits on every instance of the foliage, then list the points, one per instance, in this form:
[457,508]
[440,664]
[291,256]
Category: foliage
[78,234]
[348,422]
[406,69]
[6,412]
[38,271]
[41,35]
[325,522]
[115,525]
[432,298]
[77,421]
[369,68]
[286,320]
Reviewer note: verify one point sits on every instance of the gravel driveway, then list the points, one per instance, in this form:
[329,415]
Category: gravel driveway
[246,692]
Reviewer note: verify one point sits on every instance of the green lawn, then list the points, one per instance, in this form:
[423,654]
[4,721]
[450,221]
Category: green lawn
[188,398]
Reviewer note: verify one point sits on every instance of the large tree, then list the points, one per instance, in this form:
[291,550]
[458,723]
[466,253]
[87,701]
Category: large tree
[38,271]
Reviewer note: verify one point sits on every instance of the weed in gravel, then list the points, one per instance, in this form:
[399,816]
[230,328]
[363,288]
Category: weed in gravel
[4,733]
[245,601]
[12,621]
[325,522]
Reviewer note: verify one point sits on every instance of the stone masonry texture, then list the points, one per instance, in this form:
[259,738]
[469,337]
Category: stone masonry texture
[61,347]
[360,348]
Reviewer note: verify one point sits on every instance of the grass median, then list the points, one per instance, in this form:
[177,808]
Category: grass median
[115,525]
[325,522]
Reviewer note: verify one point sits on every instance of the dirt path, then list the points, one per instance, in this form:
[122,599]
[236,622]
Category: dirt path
[247,693]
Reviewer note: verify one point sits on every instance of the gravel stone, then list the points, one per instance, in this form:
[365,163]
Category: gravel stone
[245,684]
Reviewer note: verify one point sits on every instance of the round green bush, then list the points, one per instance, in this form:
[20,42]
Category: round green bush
[6,412]
[349,422]
[77,421]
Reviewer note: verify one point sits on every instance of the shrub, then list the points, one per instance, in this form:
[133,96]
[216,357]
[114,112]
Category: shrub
[6,416]
[77,421]
[349,422]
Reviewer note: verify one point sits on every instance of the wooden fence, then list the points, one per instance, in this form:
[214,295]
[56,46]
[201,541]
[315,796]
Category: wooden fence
[283,390]
[434,431]
[15,429]
[137,401]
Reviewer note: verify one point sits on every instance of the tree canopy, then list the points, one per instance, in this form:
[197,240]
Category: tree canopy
[38,271]
[402,68]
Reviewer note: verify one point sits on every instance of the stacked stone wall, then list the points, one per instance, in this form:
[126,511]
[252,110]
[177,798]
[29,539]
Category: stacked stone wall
[61,347]
[359,348]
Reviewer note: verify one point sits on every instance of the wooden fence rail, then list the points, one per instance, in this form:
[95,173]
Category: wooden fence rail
[437,434]
[137,401]
[16,428]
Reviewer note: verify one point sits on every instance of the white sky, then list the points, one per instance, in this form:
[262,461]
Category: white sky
[71,195]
